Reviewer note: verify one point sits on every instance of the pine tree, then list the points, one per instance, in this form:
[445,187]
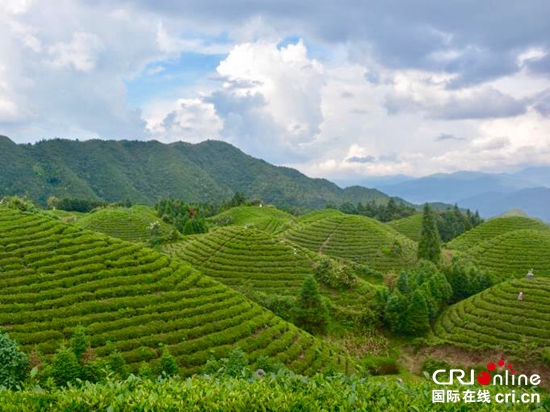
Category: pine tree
[311,313]
[429,247]
[65,367]
[79,342]
[396,305]
[416,321]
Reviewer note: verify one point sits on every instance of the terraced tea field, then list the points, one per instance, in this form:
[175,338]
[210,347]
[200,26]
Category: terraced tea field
[130,224]
[496,319]
[249,259]
[514,253]
[54,276]
[492,228]
[268,219]
[356,238]
[408,226]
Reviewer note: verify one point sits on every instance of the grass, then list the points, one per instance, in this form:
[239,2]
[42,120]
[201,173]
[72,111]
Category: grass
[356,238]
[124,223]
[268,219]
[55,276]
[493,228]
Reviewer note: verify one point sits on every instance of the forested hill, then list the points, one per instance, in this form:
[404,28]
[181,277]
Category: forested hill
[146,171]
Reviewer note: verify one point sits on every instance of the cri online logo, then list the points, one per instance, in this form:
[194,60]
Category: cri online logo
[484,378]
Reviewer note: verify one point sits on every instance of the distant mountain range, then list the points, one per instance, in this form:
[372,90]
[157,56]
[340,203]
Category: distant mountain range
[146,171]
[490,193]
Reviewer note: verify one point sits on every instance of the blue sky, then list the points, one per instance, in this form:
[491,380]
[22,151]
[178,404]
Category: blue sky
[342,90]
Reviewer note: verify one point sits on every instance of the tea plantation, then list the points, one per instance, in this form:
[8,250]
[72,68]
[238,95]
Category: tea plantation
[281,393]
[496,318]
[252,260]
[355,238]
[514,253]
[55,276]
[492,228]
[408,226]
[268,219]
[130,224]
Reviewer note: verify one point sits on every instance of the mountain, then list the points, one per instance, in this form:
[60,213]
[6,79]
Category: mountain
[450,188]
[533,201]
[146,171]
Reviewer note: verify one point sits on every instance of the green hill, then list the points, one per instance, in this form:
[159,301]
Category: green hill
[55,276]
[130,224]
[495,318]
[352,237]
[252,260]
[514,253]
[268,219]
[492,228]
[408,226]
[146,171]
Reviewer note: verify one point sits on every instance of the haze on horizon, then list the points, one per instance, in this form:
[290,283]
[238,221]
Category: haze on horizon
[335,89]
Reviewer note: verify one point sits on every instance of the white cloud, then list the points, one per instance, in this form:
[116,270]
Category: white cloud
[82,52]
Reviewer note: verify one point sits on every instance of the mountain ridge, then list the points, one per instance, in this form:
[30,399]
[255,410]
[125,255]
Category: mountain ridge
[146,171]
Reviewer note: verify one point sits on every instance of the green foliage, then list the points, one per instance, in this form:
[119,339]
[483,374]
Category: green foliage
[16,202]
[429,247]
[416,319]
[168,365]
[493,228]
[145,171]
[79,205]
[356,238]
[311,311]
[513,253]
[335,274]
[451,223]
[466,279]
[282,393]
[56,276]
[416,300]
[116,364]
[496,319]
[235,365]
[13,362]
[136,224]
[65,367]
[79,342]
[382,211]
[266,218]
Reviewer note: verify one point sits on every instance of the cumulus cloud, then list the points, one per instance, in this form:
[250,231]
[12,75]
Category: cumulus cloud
[368,91]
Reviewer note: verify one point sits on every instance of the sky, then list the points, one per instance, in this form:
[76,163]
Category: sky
[337,89]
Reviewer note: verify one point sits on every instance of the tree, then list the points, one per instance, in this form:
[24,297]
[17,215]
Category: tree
[311,312]
[396,305]
[52,202]
[13,362]
[416,319]
[65,367]
[429,247]
[79,342]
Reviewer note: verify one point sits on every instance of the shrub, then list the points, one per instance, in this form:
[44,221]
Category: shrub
[335,274]
[13,362]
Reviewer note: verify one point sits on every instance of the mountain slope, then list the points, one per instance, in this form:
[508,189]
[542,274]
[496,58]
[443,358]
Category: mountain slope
[357,238]
[492,228]
[495,318]
[55,276]
[146,171]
